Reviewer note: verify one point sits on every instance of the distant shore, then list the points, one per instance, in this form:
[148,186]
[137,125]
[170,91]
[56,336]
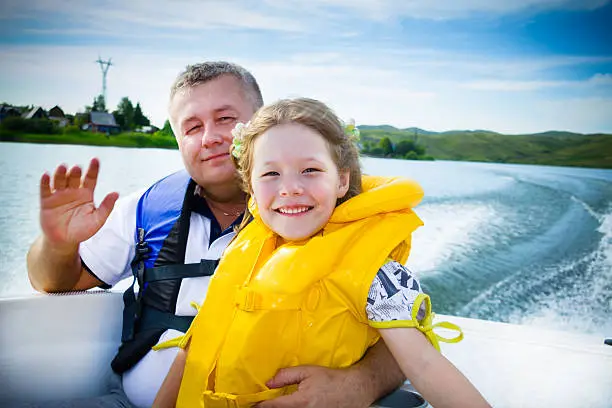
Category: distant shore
[592,151]
[550,148]
[96,139]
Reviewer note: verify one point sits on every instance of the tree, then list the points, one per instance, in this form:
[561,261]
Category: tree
[99,104]
[166,130]
[139,118]
[404,146]
[124,115]
[386,146]
[377,152]
[412,155]
[366,146]
[81,119]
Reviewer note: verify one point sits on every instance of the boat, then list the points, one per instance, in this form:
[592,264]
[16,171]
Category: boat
[59,347]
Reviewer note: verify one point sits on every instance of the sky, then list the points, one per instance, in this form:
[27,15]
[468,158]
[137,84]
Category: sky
[520,66]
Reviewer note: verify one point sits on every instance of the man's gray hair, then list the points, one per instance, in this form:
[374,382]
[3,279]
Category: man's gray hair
[198,74]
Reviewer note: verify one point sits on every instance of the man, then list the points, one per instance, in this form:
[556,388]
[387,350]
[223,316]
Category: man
[170,238]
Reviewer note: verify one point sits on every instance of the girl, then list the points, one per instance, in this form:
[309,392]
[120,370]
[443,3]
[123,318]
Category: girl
[316,277]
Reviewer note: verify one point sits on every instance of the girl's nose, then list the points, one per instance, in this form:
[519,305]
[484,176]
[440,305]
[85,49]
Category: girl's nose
[291,187]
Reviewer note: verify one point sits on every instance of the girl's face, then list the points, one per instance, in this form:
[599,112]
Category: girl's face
[294,180]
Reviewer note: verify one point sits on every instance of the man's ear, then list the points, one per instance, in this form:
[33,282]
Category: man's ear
[344,182]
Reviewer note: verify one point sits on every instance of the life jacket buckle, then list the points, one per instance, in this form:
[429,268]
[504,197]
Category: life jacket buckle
[142,250]
[219,400]
[248,300]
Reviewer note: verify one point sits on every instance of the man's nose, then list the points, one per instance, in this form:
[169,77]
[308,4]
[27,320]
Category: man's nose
[211,136]
[291,186]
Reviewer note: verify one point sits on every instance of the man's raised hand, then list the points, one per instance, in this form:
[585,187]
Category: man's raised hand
[68,215]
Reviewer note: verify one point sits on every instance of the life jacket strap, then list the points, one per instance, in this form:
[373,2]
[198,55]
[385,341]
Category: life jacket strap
[224,400]
[206,267]
[153,318]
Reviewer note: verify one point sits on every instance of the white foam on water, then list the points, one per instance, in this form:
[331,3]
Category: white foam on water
[576,311]
[450,230]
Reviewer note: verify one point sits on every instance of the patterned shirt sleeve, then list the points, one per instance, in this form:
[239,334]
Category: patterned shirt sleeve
[392,294]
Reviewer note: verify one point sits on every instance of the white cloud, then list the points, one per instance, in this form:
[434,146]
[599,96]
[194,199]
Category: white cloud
[271,15]
[597,80]
[402,89]
[113,15]
[514,86]
[442,9]
[601,79]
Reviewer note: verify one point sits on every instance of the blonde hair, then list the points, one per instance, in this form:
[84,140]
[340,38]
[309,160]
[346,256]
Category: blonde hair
[307,112]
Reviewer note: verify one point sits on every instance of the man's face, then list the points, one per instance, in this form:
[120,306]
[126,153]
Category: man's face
[204,117]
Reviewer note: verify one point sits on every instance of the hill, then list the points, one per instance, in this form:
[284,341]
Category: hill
[378,127]
[547,148]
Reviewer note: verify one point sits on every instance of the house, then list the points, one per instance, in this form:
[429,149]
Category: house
[35,113]
[7,111]
[56,114]
[102,122]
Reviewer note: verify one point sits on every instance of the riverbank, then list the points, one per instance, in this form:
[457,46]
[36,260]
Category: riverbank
[550,148]
[131,139]
[553,149]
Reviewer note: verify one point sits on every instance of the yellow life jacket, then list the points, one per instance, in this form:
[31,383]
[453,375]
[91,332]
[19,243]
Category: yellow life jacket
[271,306]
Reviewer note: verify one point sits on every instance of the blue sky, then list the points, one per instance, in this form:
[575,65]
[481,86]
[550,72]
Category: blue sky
[510,66]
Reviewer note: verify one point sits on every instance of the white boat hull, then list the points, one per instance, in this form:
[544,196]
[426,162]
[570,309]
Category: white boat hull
[60,347]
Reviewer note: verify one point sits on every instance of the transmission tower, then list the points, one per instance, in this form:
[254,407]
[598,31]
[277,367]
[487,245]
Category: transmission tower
[104,66]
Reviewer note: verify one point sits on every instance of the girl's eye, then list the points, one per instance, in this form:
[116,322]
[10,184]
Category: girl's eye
[311,170]
[270,174]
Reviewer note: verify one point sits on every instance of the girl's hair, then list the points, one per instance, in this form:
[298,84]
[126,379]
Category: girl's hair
[307,112]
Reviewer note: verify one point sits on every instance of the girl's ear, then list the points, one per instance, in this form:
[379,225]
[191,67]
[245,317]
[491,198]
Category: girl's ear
[343,182]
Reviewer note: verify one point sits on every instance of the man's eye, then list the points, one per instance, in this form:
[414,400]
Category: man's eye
[226,119]
[193,129]
[270,174]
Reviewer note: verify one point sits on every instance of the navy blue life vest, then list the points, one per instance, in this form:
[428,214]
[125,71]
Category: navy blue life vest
[162,227]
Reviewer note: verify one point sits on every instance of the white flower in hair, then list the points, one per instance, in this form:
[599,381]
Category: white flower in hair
[351,129]
[238,138]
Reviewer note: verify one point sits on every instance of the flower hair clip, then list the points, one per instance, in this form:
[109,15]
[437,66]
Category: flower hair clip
[236,148]
[351,130]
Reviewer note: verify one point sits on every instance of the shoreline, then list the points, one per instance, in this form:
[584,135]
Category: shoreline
[593,152]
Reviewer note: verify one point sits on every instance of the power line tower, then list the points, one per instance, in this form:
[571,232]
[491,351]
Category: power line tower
[104,66]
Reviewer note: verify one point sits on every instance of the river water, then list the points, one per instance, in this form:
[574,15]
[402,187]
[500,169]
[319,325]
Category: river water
[513,243]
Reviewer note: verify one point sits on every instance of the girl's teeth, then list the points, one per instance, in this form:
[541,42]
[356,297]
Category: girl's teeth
[293,210]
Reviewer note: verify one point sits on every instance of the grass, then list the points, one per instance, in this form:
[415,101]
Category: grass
[551,148]
[95,139]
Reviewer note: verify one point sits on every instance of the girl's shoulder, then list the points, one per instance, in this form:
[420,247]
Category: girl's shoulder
[392,293]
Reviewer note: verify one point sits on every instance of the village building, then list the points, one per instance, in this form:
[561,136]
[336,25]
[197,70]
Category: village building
[57,115]
[35,113]
[102,122]
[7,111]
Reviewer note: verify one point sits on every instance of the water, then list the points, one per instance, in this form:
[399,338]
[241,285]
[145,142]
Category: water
[513,243]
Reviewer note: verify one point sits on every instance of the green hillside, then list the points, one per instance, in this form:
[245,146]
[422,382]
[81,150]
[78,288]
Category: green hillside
[549,148]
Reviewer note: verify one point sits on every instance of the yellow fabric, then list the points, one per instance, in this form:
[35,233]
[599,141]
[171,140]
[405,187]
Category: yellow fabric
[180,341]
[424,325]
[272,305]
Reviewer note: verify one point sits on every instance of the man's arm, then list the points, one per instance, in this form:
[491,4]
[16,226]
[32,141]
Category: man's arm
[68,217]
[373,377]
[56,269]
